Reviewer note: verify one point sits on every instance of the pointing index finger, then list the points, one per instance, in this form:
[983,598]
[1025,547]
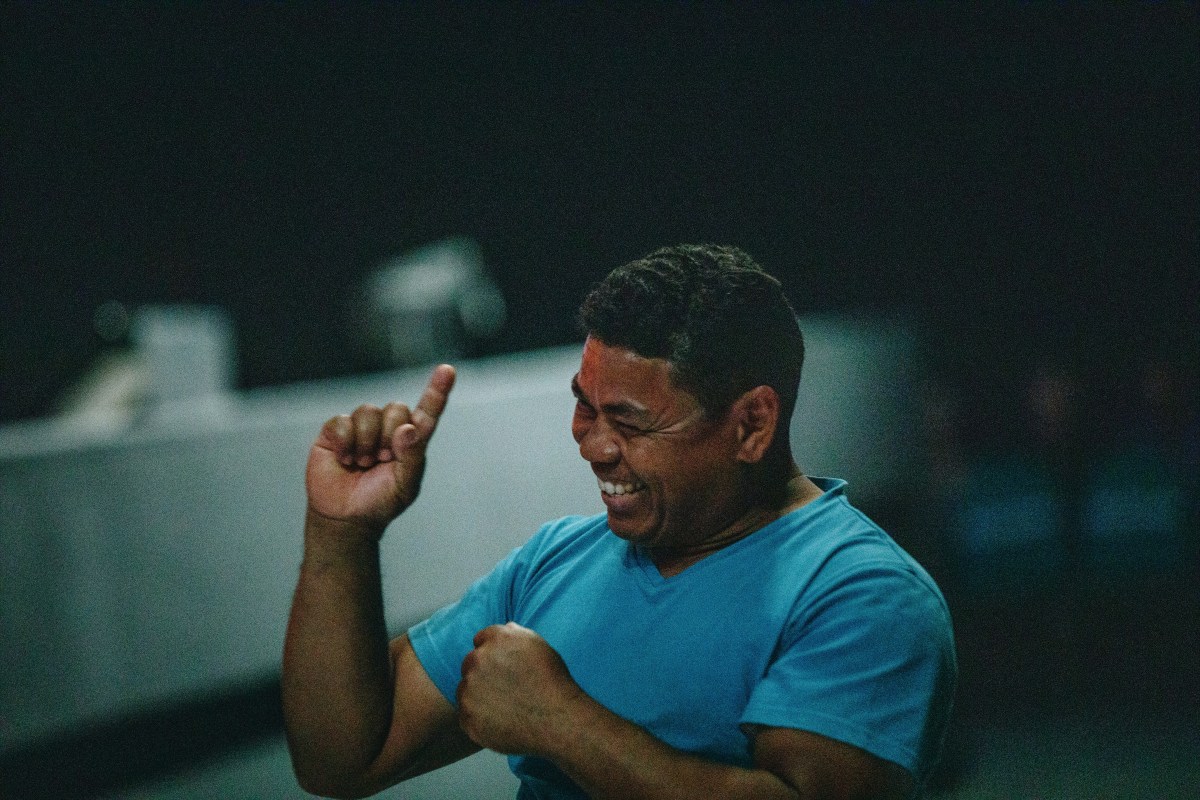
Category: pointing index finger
[433,400]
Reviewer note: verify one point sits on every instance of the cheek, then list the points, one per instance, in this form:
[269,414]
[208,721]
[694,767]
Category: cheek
[653,467]
[687,476]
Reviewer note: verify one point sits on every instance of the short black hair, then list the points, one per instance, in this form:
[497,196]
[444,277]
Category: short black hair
[720,320]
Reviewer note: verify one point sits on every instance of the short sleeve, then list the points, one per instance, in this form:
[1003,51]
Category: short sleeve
[442,641]
[870,663]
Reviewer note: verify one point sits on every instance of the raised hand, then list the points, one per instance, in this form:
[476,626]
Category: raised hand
[365,468]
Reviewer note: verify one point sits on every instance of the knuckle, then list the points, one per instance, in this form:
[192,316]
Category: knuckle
[339,427]
[366,409]
[395,409]
[396,414]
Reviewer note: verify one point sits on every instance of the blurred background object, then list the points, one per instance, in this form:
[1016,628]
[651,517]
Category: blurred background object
[436,303]
[188,353]
[161,361]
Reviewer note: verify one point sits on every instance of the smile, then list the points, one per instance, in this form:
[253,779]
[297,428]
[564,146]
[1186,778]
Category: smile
[608,487]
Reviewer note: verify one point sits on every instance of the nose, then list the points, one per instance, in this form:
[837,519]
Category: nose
[597,444]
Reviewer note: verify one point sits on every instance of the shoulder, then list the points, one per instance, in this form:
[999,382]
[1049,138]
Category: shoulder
[853,564]
[564,530]
[564,537]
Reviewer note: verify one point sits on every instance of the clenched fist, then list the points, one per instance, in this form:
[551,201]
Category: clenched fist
[516,694]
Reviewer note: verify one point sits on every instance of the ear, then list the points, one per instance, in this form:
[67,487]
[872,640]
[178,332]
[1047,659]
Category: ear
[757,416]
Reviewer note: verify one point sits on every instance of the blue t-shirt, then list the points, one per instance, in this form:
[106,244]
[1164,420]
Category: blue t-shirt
[817,621]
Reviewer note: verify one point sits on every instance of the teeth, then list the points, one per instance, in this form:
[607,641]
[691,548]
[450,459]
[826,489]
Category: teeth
[608,487]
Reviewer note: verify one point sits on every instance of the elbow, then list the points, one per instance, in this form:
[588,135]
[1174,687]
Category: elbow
[319,785]
[334,784]
[322,786]
[325,770]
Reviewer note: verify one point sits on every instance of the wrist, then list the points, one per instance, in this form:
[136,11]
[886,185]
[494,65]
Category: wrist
[327,540]
[318,525]
[576,715]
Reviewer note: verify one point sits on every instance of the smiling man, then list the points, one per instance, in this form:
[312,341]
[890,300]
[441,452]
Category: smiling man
[729,628]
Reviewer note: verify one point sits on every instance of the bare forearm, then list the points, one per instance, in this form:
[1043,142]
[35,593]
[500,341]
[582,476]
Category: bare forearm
[337,687]
[517,696]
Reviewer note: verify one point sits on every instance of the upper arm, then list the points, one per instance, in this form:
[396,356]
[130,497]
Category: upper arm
[817,767]
[870,665]
[424,732]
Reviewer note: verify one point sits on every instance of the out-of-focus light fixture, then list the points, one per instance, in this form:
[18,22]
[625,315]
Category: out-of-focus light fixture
[431,304]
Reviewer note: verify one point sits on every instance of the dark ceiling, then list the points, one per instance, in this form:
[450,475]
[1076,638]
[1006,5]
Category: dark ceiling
[1017,178]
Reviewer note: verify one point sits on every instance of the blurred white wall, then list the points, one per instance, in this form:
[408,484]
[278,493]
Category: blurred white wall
[857,414]
[153,563]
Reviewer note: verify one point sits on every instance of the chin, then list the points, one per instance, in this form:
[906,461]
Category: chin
[628,532]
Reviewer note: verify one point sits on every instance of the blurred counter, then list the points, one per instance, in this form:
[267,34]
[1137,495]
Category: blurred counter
[156,562]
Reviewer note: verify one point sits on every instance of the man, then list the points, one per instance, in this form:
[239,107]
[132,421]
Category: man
[729,628]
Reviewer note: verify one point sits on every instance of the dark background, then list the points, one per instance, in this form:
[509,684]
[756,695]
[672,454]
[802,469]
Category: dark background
[1018,179]
[1020,182]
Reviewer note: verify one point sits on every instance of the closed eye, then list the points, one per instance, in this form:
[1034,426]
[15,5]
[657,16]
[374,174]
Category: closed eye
[629,428]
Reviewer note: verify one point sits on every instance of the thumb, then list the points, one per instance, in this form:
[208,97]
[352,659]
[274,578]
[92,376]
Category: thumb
[410,438]
[408,466]
[404,438]
[408,449]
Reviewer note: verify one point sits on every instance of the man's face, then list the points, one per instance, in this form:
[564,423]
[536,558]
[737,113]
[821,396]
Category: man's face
[668,475]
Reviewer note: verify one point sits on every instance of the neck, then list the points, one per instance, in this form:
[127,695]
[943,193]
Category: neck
[764,507]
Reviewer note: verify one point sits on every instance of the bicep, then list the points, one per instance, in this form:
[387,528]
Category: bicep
[818,767]
[424,732]
[872,666]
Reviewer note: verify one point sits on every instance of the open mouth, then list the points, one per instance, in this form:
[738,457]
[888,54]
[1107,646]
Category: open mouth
[618,489]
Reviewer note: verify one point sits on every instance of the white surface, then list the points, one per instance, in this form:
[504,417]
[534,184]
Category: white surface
[160,563]
[157,563]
